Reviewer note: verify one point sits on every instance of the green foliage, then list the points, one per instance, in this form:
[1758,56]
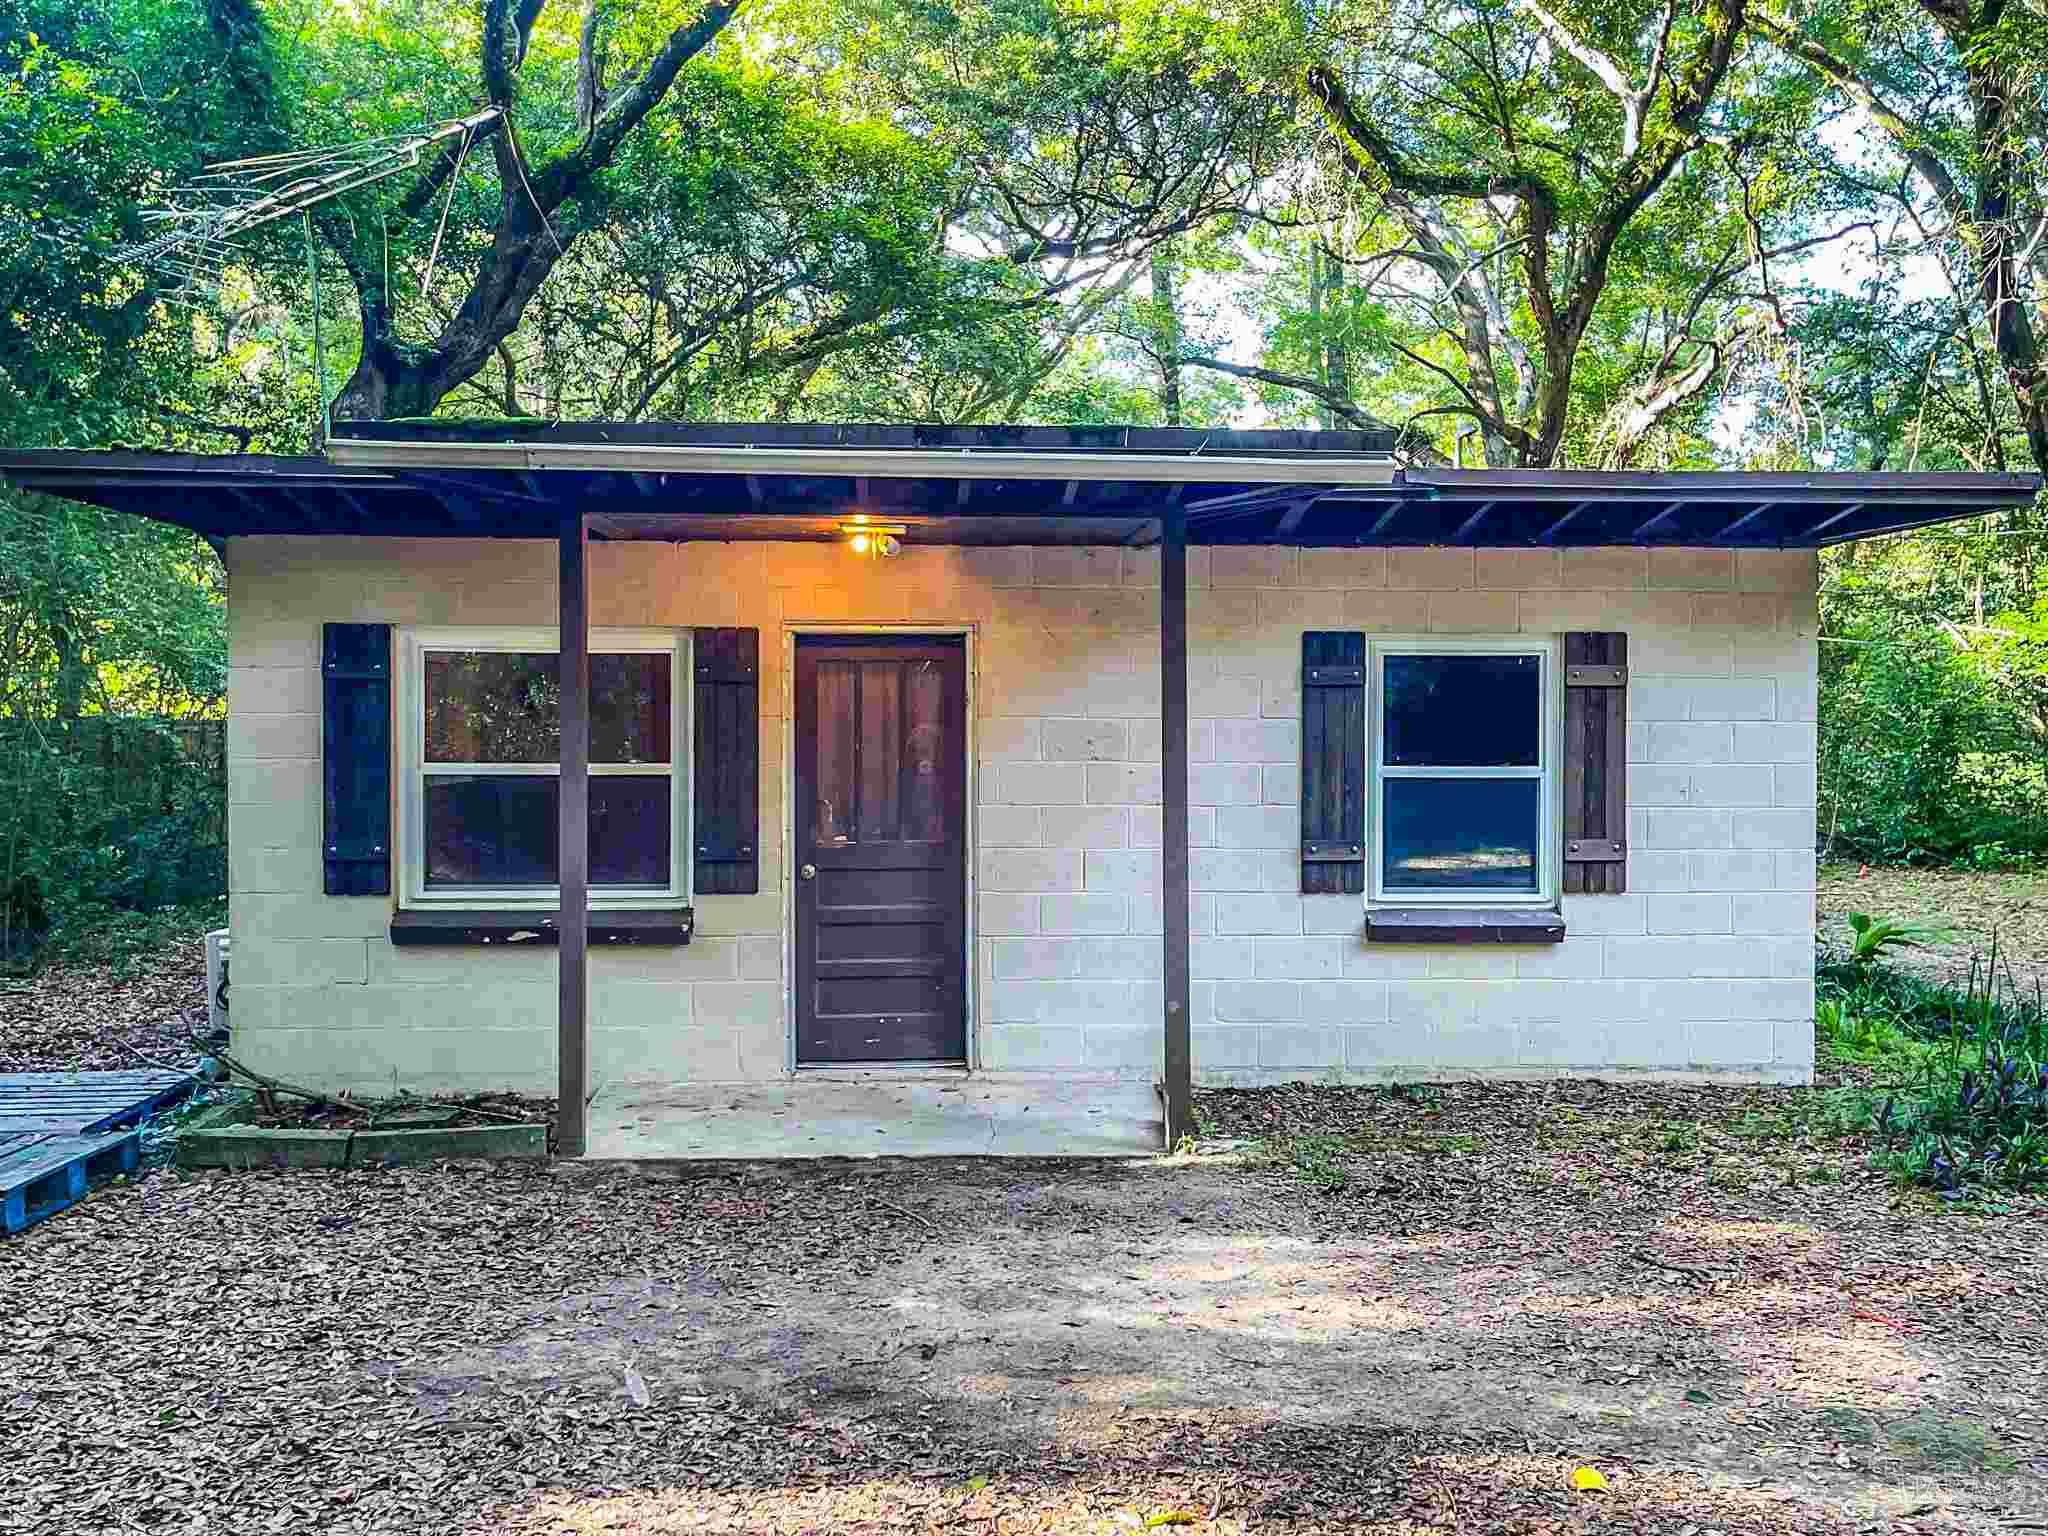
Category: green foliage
[1965,1101]
[1927,748]
[1870,938]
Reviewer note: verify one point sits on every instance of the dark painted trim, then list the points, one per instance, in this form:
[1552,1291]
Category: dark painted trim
[1469,925]
[513,928]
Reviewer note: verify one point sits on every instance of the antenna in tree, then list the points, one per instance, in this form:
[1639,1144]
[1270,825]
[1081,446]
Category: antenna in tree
[234,197]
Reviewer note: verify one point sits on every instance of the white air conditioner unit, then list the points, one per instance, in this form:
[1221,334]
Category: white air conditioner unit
[217,986]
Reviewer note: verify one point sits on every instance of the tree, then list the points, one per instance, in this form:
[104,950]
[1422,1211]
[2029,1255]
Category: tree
[1958,92]
[1505,169]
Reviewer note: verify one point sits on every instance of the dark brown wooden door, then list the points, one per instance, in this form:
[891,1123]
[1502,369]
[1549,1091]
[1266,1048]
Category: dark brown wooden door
[881,850]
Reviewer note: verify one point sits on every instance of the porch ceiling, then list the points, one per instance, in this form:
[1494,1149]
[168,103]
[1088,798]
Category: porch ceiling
[978,486]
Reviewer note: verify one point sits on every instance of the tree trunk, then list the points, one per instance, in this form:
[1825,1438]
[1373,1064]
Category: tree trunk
[1337,348]
[1166,332]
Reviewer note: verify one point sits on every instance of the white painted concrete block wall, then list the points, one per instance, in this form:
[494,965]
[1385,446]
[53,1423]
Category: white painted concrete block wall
[1705,965]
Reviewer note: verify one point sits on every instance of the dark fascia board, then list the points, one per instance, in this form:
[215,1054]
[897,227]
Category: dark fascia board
[1276,443]
[1690,486]
[227,495]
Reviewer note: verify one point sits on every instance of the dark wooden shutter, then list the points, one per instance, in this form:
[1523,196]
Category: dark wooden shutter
[728,761]
[1596,763]
[355,758]
[1332,762]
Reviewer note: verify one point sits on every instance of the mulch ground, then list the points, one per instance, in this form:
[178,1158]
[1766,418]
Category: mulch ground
[106,1018]
[1481,1289]
[1974,907]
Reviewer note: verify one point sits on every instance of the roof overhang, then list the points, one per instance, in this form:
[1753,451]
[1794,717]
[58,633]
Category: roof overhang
[977,485]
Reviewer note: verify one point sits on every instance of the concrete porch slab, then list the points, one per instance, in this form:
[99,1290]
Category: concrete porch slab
[877,1114]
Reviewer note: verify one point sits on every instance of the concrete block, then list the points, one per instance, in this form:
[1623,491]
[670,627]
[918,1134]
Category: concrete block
[1223,609]
[1573,960]
[1477,1046]
[274,736]
[1734,698]
[1701,653]
[1257,741]
[1733,611]
[1226,869]
[1431,568]
[1775,829]
[1300,608]
[273,691]
[1266,912]
[1221,958]
[1113,695]
[1773,912]
[1589,915]
[1675,913]
[1693,570]
[1603,567]
[258,915]
[1735,784]
[1471,962]
[302,962]
[1028,869]
[1119,958]
[277,824]
[1732,1042]
[1095,912]
[438,1144]
[1651,787]
[1003,913]
[1390,1047]
[1562,1044]
[1515,570]
[1128,870]
[1437,1004]
[671,1054]
[1688,743]
[1226,784]
[999,738]
[1287,958]
[1796,784]
[1007,825]
[1034,784]
[1794,871]
[1086,741]
[1070,1004]
[1654,697]
[1222,1045]
[1791,571]
[1310,1047]
[1782,743]
[1129,1049]
[1343,1002]
[1258,1002]
[1033,959]
[1258,826]
[253,869]
[1124,784]
[1226,696]
[1390,612]
[1735,871]
[1332,914]
[1077,566]
[1649,872]
[1685,829]
[1696,954]
[1253,565]
[294,781]
[1342,567]
[1085,826]
[1383,962]
[1473,613]
[1032,1048]
[1280,784]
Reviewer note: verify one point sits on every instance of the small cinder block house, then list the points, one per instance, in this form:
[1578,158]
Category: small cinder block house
[625,760]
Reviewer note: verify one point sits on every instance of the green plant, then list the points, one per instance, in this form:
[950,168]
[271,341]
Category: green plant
[1871,937]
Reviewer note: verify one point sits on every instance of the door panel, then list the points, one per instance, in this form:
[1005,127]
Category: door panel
[880,819]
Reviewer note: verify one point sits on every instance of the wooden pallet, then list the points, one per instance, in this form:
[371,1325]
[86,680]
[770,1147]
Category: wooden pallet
[42,1175]
[85,1103]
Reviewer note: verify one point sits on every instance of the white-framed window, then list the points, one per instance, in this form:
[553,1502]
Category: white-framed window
[1462,750]
[480,767]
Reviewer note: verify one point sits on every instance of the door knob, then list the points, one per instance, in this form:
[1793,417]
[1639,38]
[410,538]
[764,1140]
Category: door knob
[808,872]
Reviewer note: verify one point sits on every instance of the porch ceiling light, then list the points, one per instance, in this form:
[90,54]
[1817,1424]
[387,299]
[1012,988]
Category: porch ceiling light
[873,540]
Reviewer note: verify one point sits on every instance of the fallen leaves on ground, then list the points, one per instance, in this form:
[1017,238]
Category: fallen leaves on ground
[1512,1282]
[1972,905]
[94,1018]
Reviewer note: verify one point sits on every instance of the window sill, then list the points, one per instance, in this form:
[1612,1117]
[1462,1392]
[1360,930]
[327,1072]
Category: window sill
[1463,925]
[512,927]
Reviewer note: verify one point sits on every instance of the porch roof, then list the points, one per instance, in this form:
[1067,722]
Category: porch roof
[977,485]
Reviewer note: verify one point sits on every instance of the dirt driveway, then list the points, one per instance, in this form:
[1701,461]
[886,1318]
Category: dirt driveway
[1426,1321]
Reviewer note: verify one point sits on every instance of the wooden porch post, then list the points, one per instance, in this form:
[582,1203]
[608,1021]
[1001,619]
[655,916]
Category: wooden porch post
[1173,860]
[573,1051]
